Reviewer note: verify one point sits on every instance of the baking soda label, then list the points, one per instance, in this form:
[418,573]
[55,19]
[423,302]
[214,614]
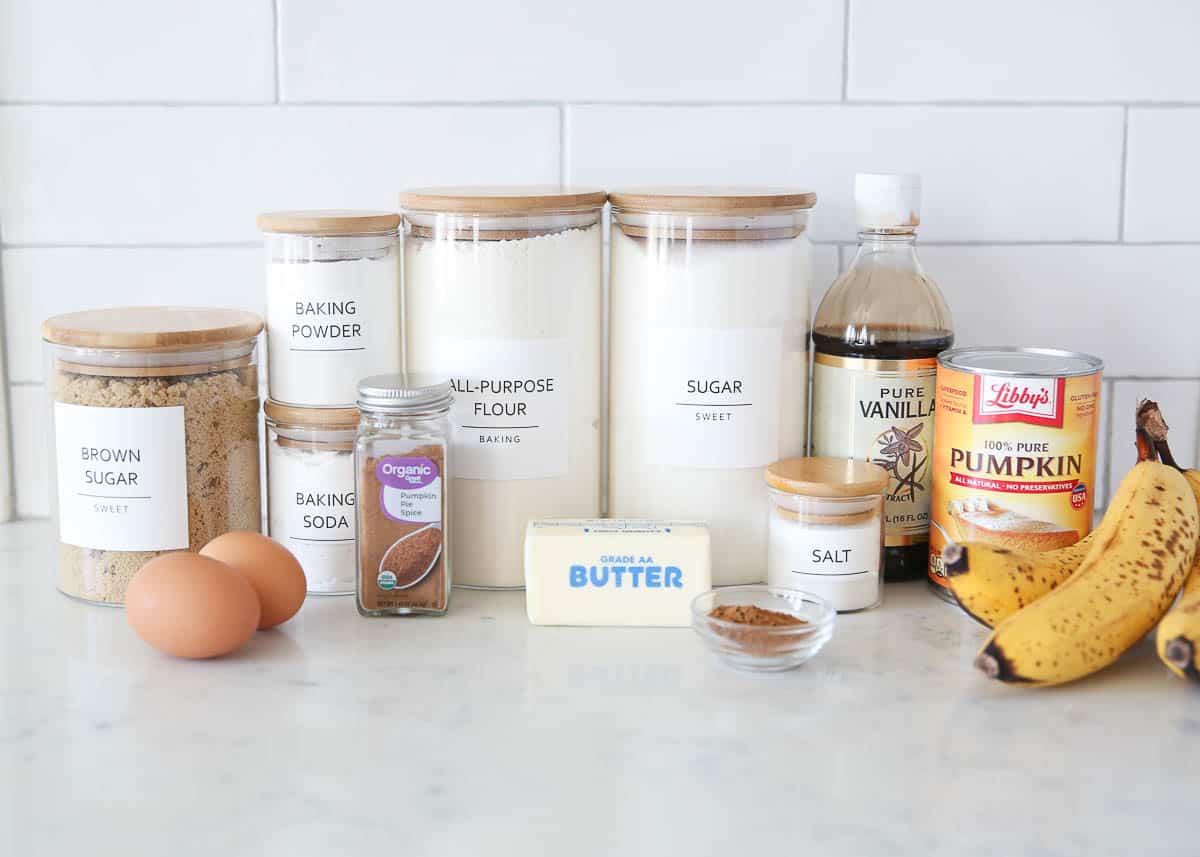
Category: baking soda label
[122,477]
[714,396]
[510,406]
[881,411]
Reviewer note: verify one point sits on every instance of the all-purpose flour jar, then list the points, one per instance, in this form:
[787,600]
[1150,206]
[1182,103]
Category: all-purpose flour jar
[310,491]
[708,365]
[503,289]
[333,303]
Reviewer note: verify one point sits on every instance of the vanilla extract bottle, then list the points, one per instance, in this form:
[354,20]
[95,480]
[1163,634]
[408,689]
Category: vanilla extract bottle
[876,337]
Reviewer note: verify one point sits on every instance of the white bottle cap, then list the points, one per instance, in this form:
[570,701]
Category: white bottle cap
[887,200]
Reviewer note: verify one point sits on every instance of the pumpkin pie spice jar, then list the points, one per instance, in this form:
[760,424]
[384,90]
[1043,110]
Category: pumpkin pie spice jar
[154,414]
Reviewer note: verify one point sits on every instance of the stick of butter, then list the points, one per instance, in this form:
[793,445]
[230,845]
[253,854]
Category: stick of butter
[597,571]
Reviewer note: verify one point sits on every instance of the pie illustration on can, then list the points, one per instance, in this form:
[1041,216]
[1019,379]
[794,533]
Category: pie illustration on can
[980,520]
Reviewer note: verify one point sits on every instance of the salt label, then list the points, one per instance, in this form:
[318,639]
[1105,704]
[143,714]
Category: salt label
[714,396]
[510,419]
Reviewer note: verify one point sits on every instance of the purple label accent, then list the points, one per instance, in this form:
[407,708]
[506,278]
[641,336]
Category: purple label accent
[406,473]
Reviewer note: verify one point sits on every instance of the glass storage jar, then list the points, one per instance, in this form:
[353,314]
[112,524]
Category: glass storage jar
[825,529]
[404,489]
[310,491]
[708,362]
[503,290]
[155,427]
[333,303]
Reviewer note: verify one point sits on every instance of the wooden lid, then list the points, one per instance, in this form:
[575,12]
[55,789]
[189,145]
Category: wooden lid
[502,199]
[712,200]
[344,419]
[826,477]
[329,222]
[161,327]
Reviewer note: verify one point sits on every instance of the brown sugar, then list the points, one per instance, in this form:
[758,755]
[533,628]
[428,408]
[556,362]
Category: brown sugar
[402,548]
[220,414]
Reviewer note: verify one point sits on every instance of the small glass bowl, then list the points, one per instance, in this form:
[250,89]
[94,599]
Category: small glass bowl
[764,648]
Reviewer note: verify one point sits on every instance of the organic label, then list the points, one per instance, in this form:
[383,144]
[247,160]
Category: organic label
[411,491]
[881,411]
[122,477]
[715,396]
[510,406]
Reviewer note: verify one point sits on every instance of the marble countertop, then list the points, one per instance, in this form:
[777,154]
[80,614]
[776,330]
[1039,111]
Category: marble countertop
[478,734]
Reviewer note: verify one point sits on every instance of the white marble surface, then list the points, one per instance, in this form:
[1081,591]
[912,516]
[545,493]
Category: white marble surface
[477,734]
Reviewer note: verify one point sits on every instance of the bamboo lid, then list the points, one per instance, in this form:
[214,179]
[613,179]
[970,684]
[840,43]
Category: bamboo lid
[163,328]
[826,477]
[712,200]
[329,222]
[334,419]
[502,199]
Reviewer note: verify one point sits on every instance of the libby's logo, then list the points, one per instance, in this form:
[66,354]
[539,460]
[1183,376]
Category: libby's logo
[1036,401]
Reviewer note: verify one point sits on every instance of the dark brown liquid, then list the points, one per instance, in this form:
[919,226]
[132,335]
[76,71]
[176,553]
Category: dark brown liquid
[907,562]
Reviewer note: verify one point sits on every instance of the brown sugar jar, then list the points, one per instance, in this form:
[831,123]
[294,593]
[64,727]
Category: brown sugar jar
[401,460]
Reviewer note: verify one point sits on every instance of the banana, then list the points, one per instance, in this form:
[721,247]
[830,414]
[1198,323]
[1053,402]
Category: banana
[1178,638]
[992,583]
[1120,591]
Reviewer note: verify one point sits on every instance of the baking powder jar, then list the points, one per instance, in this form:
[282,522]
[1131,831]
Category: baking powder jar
[825,529]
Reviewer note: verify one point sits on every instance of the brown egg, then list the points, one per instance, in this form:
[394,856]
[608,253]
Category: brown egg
[271,569]
[191,606]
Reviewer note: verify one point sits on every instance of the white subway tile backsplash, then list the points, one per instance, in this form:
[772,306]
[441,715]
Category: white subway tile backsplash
[1133,306]
[548,50]
[133,175]
[1024,50]
[41,282]
[136,50]
[990,174]
[1180,403]
[31,449]
[1162,182]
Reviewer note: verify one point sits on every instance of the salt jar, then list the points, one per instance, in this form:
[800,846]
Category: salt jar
[708,366]
[333,303]
[825,529]
[310,491]
[503,290]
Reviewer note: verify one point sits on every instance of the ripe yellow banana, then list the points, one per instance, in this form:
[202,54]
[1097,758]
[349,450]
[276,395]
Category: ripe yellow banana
[1123,587]
[992,583]
[1179,631]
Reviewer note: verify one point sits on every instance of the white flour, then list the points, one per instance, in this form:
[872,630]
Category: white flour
[517,325]
[708,384]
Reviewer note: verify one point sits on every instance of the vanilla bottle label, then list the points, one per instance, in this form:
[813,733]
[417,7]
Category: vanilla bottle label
[881,411]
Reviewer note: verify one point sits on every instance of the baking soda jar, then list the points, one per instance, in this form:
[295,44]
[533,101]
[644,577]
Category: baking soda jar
[708,365]
[503,289]
[333,303]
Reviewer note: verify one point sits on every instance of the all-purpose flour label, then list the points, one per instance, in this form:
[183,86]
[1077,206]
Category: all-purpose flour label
[122,477]
[510,406]
[714,396]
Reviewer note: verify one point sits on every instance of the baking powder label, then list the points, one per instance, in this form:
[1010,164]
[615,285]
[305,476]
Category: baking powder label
[510,405]
[122,477]
[881,411]
[714,396]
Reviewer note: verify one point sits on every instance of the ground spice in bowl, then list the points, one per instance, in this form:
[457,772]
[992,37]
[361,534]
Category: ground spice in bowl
[756,638]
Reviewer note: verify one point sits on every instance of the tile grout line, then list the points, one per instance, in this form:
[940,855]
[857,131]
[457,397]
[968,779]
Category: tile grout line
[845,50]
[564,168]
[276,48]
[684,103]
[1124,176]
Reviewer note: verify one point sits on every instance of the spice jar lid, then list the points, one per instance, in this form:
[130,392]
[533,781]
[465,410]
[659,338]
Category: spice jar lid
[162,327]
[501,199]
[826,477]
[329,222]
[712,200]
[336,419]
[405,393]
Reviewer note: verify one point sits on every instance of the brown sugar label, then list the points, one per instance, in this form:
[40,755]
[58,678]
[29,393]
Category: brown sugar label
[403,556]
